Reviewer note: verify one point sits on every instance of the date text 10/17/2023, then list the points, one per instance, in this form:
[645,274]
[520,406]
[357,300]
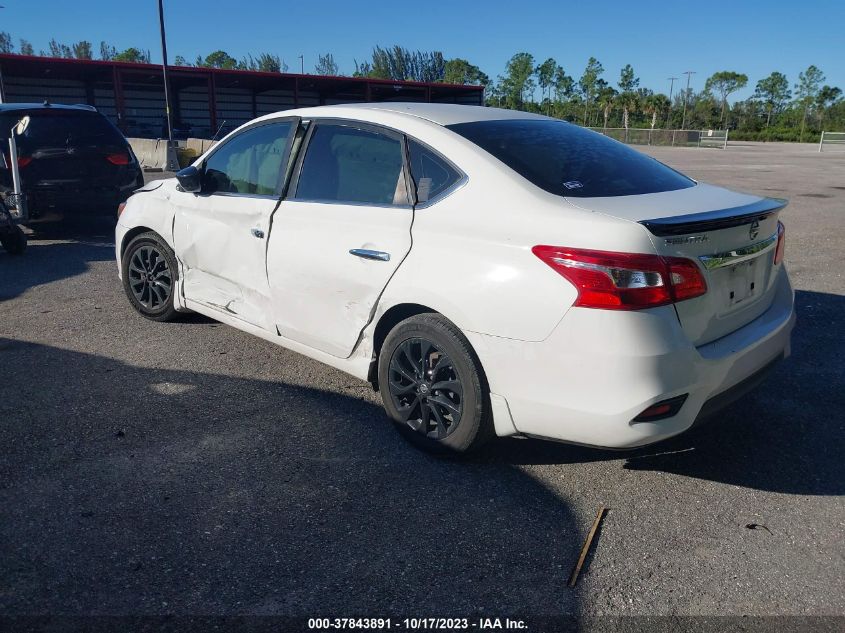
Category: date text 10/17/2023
[416,624]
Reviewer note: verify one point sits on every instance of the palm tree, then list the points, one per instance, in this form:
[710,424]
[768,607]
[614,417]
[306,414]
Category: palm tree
[629,101]
[657,105]
[606,101]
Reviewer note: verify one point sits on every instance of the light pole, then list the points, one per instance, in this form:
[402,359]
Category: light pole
[164,72]
[301,65]
[669,113]
[2,92]
[17,187]
[688,73]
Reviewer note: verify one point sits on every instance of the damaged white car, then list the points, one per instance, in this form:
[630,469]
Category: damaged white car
[491,272]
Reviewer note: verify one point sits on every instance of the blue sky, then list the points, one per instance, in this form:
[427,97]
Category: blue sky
[659,38]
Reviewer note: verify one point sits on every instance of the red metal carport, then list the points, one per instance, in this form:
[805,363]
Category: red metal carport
[205,100]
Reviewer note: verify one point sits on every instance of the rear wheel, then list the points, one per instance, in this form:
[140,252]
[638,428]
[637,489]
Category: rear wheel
[149,276]
[13,240]
[433,387]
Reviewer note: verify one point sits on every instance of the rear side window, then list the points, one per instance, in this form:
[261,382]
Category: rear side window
[570,161]
[432,174]
[249,163]
[348,164]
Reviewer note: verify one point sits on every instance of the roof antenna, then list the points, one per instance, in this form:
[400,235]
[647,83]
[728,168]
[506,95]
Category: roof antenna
[214,138]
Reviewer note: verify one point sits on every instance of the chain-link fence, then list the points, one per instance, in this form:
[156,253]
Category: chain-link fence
[671,138]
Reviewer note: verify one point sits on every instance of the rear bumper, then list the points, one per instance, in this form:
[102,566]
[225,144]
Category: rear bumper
[56,203]
[599,369]
[726,398]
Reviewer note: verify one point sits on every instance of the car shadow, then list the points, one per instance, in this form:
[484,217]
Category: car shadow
[45,263]
[55,252]
[141,490]
[786,436]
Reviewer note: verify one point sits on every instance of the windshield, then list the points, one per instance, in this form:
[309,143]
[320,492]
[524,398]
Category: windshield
[568,160]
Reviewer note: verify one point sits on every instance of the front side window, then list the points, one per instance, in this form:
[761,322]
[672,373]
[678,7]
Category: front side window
[432,174]
[249,163]
[568,160]
[348,164]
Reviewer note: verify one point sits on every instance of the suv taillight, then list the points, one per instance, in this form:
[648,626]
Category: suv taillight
[781,247]
[118,159]
[624,281]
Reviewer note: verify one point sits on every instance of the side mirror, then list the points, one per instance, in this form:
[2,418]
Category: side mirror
[190,179]
[20,128]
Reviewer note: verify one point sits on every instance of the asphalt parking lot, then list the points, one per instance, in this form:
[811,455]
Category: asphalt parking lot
[190,469]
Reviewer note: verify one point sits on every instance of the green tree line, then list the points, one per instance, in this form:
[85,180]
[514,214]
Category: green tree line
[778,110]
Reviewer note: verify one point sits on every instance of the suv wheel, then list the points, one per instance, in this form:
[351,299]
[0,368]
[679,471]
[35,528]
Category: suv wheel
[13,240]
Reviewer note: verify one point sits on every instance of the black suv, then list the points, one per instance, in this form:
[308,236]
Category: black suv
[73,161]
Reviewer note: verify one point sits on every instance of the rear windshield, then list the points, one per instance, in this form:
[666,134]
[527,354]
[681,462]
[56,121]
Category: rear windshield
[571,161]
[61,127]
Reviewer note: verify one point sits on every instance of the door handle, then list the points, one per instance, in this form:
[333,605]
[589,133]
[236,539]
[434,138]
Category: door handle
[257,233]
[368,254]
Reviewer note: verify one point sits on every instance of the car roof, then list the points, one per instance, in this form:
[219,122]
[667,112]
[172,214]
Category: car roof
[14,107]
[440,113]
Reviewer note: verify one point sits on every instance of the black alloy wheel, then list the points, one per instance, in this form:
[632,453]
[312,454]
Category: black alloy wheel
[149,277]
[148,268]
[433,387]
[426,388]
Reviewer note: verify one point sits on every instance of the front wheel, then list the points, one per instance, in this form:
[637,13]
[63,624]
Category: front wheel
[433,387]
[148,268]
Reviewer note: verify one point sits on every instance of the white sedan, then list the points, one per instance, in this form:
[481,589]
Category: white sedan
[490,272]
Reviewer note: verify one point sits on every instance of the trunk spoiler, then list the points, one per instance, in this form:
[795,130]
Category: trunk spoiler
[714,220]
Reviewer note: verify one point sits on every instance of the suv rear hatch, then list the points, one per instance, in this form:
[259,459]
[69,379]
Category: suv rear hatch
[70,149]
[731,236]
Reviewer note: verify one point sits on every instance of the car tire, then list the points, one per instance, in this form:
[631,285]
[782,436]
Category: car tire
[433,386]
[149,272]
[14,241]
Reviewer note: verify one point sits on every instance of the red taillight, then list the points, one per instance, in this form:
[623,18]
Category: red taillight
[120,208]
[118,159]
[779,250]
[23,161]
[624,281]
[687,281]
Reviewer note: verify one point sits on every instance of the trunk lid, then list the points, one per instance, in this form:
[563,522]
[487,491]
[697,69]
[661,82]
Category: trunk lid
[731,236]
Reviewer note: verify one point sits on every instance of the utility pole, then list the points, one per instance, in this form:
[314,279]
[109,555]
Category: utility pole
[164,72]
[669,113]
[301,65]
[688,73]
